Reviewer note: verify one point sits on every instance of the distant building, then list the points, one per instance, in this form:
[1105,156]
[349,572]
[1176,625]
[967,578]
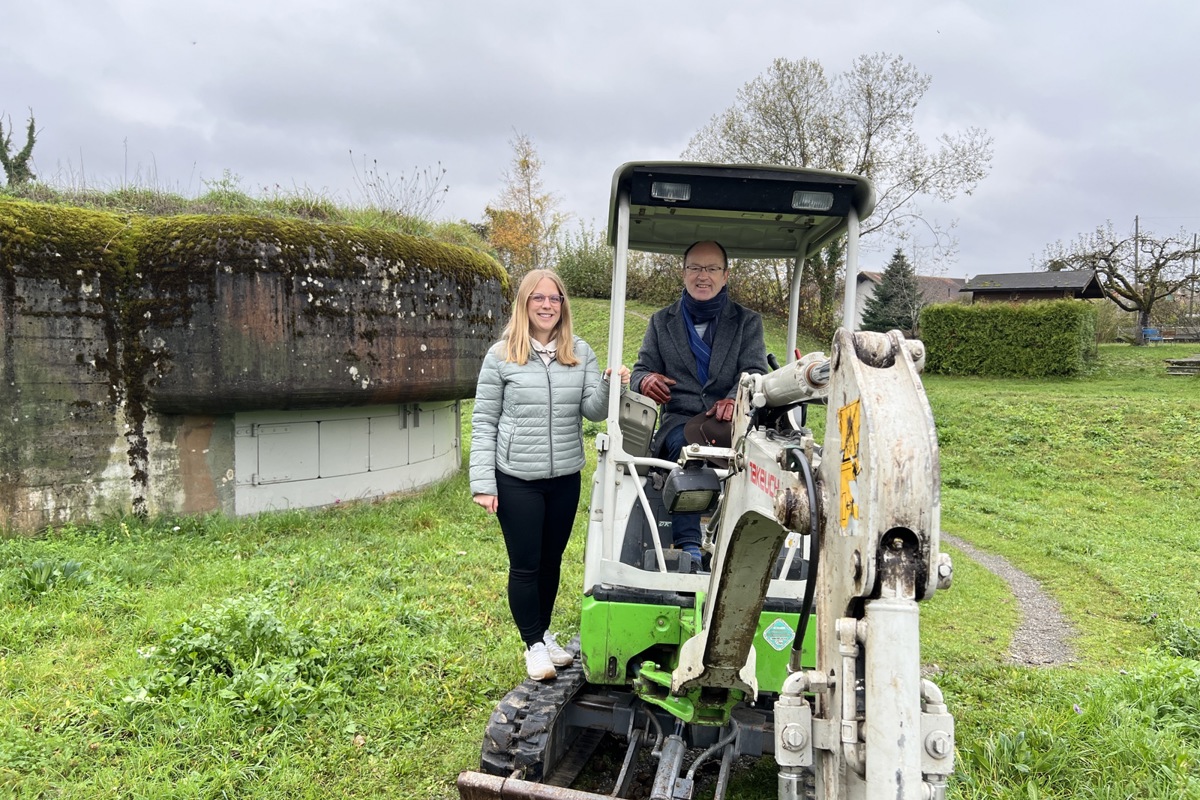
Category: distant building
[1020,287]
[933,290]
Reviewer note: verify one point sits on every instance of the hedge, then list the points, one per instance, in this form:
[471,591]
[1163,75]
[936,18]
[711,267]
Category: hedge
[1029,340]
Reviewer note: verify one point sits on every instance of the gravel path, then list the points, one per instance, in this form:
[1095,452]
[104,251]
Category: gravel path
[1043,635]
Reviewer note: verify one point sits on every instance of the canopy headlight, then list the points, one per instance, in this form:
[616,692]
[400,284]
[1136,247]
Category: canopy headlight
[812,201]
[671,192]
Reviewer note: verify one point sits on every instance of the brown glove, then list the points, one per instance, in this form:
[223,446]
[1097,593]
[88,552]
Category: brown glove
[722,410]
[657,387]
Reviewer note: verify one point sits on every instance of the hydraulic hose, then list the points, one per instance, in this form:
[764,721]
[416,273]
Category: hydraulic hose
[814,559]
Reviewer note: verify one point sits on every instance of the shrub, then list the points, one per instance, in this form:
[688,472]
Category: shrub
[656,279]
[585,263]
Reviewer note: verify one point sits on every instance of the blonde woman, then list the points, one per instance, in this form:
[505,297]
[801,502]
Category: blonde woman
[536,385]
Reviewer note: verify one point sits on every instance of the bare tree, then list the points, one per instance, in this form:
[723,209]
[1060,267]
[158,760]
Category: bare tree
[524,222]
[16,167]
[861,121]
[1135,271]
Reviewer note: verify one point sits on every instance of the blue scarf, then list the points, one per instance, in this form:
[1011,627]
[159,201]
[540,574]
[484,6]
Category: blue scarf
[697,312]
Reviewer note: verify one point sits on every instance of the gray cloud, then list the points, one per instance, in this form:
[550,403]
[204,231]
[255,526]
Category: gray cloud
[1089,107]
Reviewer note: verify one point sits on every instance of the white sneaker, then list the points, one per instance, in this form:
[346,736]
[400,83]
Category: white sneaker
[558,656]
[538,664]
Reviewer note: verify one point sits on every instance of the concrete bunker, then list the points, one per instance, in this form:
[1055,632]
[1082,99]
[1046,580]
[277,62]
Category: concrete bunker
[228,363]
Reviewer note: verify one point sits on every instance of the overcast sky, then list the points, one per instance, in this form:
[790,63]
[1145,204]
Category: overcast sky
[1092,105]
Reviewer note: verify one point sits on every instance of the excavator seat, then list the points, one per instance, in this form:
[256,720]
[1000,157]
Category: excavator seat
[637,547]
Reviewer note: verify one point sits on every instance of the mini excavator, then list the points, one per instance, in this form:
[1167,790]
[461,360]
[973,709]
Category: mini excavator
[797,638]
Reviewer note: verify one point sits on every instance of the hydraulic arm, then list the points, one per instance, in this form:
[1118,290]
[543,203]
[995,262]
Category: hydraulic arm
[864,721]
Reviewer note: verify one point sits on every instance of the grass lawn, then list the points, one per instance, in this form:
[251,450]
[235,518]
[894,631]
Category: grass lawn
[358,651]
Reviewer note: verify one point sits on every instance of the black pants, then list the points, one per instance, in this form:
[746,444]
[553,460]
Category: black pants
[536,517]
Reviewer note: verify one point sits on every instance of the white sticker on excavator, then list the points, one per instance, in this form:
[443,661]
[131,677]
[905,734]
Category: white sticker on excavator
[779,634]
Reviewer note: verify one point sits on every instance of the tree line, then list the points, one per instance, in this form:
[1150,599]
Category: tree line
[794,114]
[862,121]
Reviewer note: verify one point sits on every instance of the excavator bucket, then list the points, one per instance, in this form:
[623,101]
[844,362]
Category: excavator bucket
[480,786]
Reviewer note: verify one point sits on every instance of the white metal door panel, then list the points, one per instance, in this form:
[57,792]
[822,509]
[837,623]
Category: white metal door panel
[444,422]
[344,446]
[287,451]
[389,441]
[420,433]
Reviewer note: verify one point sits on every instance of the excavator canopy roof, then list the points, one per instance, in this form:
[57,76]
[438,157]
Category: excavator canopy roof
[754,211]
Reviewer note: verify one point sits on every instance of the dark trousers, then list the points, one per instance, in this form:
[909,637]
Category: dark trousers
[536,518]
[685,528]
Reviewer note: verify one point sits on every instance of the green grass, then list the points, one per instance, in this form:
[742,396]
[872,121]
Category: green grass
[402,205]
[1090,486]
[358,651]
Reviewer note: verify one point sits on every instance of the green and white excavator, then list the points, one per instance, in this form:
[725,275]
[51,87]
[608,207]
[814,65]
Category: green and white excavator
[800,642]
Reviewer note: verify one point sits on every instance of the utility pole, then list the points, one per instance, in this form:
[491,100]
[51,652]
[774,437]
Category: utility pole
[1192,293]
[1142,320]
[1136,247]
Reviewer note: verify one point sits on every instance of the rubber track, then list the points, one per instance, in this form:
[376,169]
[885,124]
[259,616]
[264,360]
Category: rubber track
[520,728]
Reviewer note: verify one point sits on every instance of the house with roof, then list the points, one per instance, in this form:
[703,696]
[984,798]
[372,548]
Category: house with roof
[933,290]
[1022,287]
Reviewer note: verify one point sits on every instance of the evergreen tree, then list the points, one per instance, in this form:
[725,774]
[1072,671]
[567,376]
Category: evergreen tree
[896,304]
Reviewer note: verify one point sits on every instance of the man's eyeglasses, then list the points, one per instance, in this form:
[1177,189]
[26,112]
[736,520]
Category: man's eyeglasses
[698,269]
[555,299]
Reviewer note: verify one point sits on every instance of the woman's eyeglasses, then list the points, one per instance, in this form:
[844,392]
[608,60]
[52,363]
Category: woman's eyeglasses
[555,299]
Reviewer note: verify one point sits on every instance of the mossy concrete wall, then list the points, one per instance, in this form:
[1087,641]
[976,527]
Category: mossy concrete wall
[130,343]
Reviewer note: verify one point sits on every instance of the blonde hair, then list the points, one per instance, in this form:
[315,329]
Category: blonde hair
[516,334]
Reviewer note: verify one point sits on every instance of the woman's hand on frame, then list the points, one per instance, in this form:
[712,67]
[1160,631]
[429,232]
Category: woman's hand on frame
[623,372]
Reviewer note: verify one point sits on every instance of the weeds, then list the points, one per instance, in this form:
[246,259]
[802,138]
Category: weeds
[1013,760]
[407,204]
[407,200]
[240,652]
[43,575]
[1179,638]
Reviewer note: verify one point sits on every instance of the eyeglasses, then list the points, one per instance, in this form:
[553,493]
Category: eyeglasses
[555,299]
[698,269]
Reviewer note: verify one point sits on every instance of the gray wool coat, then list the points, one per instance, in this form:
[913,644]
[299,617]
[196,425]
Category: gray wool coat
[528,418]
[738,347]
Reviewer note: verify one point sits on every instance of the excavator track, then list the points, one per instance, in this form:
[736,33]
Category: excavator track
[525,735]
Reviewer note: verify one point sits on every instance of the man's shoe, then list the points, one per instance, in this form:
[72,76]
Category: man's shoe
[558,656]
[538,664]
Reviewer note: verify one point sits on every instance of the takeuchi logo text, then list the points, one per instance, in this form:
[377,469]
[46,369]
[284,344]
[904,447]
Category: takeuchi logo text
[767,481]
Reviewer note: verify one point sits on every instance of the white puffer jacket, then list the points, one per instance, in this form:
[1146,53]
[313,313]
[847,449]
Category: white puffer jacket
[528,419]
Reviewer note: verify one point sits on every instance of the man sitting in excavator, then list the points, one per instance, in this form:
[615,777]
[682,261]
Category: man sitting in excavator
[692,356]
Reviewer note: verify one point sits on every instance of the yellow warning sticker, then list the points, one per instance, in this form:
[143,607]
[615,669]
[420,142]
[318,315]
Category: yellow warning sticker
[849,421]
